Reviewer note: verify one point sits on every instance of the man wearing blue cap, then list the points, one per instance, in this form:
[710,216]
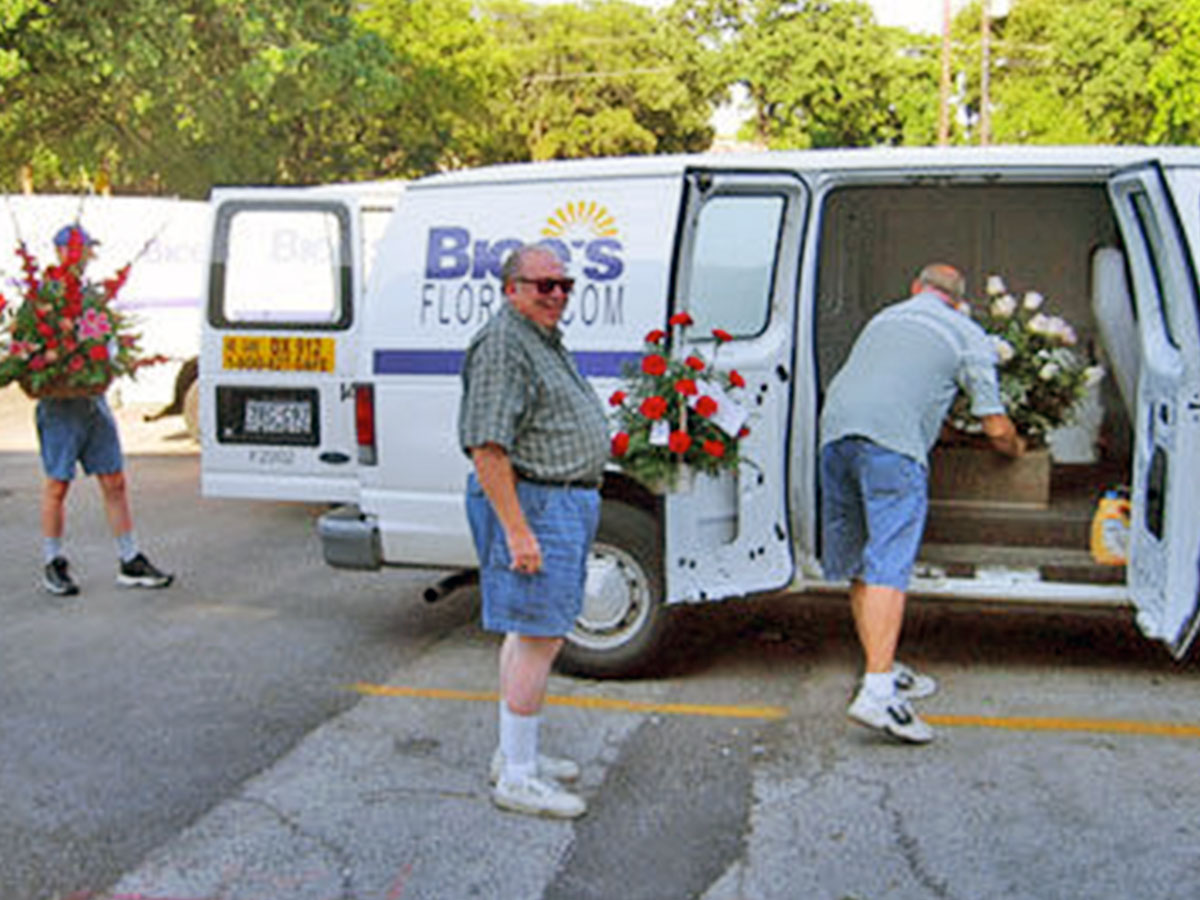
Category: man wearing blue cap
[82,430]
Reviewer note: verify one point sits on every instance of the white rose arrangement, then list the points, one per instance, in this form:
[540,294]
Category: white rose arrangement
[1042,375]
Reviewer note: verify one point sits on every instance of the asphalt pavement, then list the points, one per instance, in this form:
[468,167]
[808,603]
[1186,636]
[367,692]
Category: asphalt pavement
[1064,765]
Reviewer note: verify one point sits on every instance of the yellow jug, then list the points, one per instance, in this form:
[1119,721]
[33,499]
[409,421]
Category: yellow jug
[1110,528]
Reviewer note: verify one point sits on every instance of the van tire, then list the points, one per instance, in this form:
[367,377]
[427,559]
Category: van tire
[624,620]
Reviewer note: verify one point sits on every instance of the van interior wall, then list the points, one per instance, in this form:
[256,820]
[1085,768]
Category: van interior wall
[1039,237]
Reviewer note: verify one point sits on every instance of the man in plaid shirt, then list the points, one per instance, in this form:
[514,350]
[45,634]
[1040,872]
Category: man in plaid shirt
[537,435]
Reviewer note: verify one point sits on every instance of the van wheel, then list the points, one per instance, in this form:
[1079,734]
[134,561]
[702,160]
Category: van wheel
[191,411]
[624,619]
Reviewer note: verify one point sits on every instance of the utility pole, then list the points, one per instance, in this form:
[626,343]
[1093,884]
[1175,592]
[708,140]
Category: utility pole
[944,98]
[985,103]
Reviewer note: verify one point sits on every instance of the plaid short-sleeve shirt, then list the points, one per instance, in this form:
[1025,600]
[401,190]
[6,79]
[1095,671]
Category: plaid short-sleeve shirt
[522,391]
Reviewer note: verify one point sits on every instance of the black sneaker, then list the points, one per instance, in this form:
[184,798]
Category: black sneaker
[140,572]
[57,579]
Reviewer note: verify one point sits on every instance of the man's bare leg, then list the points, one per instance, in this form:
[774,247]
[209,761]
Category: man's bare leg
[878,617]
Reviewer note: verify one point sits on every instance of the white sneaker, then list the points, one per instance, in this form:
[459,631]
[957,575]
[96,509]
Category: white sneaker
[537,797]
[911,684]
[555,767]
[891,715]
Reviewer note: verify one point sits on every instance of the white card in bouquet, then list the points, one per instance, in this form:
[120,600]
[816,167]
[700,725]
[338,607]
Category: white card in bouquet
[730,415]
[660,433]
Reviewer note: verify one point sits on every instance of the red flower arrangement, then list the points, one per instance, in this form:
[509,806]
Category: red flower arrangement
[64,339]
[677,411]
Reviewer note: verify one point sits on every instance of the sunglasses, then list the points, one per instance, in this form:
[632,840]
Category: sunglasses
[547,285]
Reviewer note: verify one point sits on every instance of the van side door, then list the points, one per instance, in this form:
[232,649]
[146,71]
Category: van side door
[278,349]
[736,270]
[1164,563]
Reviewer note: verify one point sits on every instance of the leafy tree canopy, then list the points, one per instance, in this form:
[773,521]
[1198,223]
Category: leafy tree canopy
[1075,71]
[823,74]
[607,78]
[179,94]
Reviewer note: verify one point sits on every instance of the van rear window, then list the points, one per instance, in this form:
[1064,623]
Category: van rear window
[281,268]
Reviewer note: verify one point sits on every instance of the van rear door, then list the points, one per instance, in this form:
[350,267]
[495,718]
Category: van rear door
[278,347]
[1164,564]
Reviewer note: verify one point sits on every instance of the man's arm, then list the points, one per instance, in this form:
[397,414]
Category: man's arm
[1002,435]
[498,480]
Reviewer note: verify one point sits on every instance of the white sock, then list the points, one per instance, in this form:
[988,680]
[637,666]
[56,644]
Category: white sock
[127,546]
[881,685]
[51,548]
[518,743]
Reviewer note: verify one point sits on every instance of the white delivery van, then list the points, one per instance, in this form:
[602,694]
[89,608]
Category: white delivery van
[316,387]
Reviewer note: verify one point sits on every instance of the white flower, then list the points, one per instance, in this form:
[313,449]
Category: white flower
[1057,327]
[1003,307]
[1039,324]
[1048,371]
[1004,350]
[1092,375]
[1033,300]
[995,285]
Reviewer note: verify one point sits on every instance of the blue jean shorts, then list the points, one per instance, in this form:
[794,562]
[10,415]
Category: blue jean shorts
[545,603]
[873,506]
[78,430]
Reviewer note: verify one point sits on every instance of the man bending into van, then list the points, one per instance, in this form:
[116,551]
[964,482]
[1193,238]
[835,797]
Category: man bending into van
[538,437]
[882,415]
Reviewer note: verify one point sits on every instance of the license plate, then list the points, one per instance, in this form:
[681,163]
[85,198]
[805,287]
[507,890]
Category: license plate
[277,417]
[278,354]
[268,415]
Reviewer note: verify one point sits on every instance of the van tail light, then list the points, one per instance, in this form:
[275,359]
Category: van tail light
[364,423]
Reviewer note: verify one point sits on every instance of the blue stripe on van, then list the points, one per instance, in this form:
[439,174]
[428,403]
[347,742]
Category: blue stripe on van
[592,363]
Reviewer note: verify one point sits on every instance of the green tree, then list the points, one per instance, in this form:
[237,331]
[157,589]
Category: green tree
[604,79]
[1075,71]
[824,74]
[1174,78]
[446,67]
[176,95]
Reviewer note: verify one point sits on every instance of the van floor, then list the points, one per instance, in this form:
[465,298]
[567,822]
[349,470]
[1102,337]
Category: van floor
[1054,540]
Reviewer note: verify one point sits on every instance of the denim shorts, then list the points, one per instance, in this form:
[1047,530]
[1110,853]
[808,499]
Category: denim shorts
[545,603]
[873,505]
[78,429]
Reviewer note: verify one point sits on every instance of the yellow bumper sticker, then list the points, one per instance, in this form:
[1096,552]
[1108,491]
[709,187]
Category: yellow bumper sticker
[278,354]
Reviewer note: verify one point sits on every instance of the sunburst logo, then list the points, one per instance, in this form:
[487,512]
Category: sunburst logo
[580,222]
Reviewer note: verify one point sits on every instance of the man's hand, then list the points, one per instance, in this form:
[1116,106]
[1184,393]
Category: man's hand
[1002,435]
[525,550]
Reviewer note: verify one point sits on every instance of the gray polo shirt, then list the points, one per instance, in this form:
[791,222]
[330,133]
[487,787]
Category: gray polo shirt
[522,391]
[903,372]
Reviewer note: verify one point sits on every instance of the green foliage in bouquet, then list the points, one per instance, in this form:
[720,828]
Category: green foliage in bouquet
[673,412]
[1042,376]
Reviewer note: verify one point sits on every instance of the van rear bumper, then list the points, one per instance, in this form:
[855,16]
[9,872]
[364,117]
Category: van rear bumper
[349,539]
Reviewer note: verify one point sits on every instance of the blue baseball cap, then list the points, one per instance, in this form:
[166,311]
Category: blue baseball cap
[63,238]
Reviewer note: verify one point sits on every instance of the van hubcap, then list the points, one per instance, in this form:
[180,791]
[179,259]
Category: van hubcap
[616,599]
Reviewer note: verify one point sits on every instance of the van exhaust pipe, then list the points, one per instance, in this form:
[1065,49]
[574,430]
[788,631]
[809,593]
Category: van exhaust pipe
[449,584]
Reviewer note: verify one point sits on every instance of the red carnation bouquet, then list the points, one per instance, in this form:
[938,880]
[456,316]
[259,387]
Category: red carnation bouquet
[64,339]
[674,412]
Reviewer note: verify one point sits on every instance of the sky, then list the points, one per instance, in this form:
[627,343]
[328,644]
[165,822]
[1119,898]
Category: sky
[918,15]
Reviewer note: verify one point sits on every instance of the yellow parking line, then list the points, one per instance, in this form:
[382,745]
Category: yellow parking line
[608,704]
[1101,726]
[604,703]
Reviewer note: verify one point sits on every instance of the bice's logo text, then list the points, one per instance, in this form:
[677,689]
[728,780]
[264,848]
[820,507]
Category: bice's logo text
[583,234]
